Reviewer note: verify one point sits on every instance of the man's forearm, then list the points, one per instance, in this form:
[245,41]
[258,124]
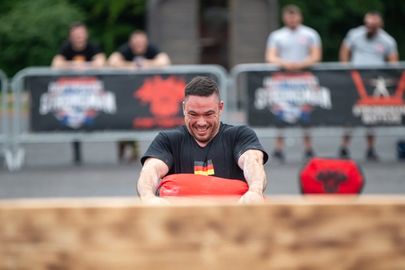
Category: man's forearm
[147,184]
[255,175]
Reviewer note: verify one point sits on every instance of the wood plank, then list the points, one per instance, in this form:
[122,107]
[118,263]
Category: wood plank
[285,233]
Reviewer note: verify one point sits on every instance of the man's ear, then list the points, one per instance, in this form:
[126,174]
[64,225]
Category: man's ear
[221,107]
[184,107]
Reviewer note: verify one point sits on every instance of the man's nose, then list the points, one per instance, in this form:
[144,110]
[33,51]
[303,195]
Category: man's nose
[201,121]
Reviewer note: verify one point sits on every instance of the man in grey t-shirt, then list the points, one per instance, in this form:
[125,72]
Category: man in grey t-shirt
[293,47]
[367,45]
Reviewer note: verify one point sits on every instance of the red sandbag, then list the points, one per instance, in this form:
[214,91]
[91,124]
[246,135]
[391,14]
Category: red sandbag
[331,176]
[188,184]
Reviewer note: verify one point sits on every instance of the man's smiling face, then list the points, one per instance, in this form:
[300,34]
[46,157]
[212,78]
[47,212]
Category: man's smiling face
[202,117]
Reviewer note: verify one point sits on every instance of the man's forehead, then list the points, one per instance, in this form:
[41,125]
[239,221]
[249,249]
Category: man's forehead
[202,99]
[373,18]
[193,102]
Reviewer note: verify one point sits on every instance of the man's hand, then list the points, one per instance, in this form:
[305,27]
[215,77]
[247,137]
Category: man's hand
[156,201]
[251,197]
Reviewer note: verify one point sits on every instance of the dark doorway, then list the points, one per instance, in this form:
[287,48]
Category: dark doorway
[214,21]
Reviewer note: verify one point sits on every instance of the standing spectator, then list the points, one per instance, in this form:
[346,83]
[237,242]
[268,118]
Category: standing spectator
[137,53]
[78,52]
[367,45]
[294,47]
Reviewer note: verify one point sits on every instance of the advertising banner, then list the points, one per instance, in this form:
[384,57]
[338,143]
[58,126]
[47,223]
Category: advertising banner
[108,102]
[326,97]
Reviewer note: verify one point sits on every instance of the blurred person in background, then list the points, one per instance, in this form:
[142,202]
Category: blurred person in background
[294,47]
[79,53]
[368,44]
[137,53]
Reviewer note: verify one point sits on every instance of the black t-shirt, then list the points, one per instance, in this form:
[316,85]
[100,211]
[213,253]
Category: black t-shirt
[86,55]
[182,154]
[128,55]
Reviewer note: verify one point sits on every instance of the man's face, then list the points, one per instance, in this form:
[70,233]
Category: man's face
[373,23]
[138,43]
[78,36]
[202,117]
[292,20]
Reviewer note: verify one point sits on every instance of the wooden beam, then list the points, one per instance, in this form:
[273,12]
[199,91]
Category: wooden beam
[285,233]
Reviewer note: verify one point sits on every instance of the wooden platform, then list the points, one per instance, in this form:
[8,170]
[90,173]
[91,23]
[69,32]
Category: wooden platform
[285,233]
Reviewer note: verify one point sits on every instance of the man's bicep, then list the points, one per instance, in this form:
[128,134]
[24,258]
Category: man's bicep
[316,53]
[271,54]
[157,166]
[254,154]
[393,57]
[344,53]
[58,60]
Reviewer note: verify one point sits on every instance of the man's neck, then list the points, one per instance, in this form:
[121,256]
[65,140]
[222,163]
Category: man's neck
[80,47]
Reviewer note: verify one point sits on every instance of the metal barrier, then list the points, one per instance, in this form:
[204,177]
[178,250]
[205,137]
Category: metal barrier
[5,134]
[20,136]
[240,87]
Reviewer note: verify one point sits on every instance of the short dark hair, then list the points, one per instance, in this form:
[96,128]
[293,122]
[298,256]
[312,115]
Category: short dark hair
[291,9]
[137,32]
[375,13]
[201,86]
[76,24]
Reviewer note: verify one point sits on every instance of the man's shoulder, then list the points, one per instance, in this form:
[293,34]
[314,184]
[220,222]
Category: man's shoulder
[123,48]
[308,30]
[235,129]
[66,45]
[176,133]
[92,44]
[279,32]
[386,37]
[357,31]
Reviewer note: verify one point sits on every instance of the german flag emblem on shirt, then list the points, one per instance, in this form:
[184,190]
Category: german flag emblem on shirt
[204,168]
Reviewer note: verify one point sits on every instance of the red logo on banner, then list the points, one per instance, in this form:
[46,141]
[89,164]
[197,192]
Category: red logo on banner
[380,95]
[380,107]
[164,97]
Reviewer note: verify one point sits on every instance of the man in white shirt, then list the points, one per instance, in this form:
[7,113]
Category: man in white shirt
[293,47]
[368,44]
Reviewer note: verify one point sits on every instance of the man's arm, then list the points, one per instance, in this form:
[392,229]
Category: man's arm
[315,56]
[393,57]
[344,53]
[59,61]
[251,162]
[117,60]
[152,170]
[98,60]
[273,58]
[161,60]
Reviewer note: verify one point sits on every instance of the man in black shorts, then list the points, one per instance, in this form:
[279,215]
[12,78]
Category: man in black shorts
[233,152]
[137,53]
[79,53]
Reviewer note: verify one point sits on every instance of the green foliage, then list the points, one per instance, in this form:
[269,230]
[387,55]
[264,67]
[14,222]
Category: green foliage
[111,22]
[31,32]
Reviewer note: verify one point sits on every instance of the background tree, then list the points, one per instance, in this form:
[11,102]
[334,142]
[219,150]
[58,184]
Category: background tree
[31,32]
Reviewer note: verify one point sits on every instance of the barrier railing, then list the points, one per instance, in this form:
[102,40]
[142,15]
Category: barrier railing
[4,134]
[326,97]
[53,91]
